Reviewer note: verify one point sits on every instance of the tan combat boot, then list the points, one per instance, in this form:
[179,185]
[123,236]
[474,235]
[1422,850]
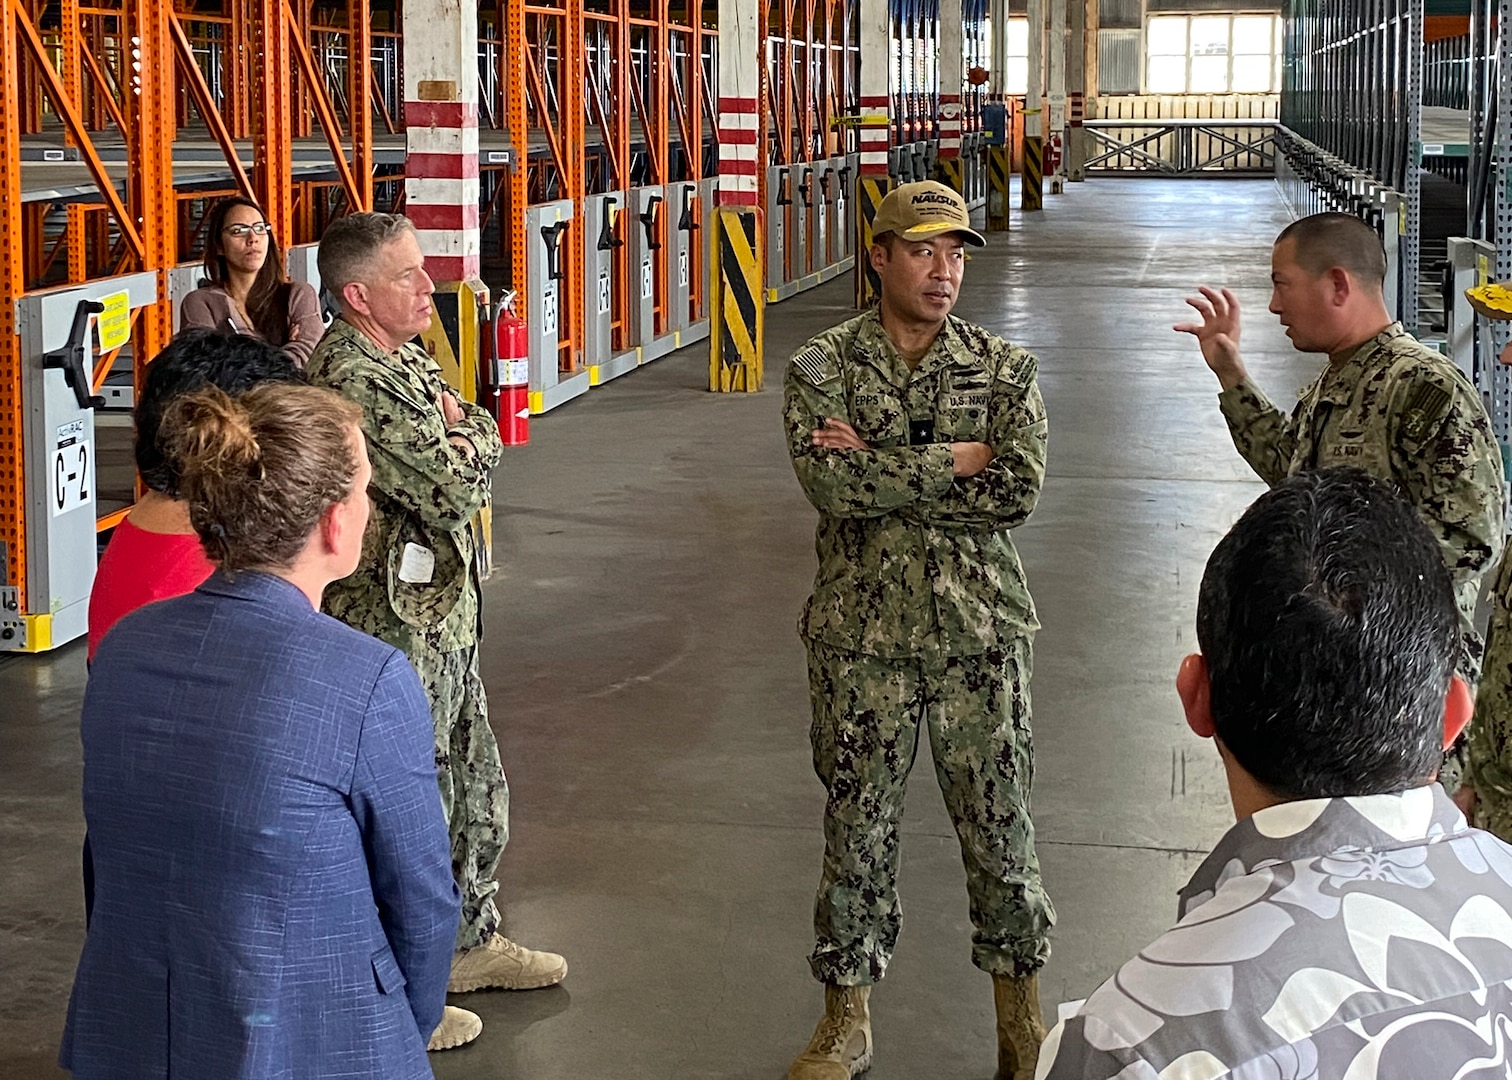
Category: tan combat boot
[842,1044]
[500,964]
[458,1027]
[1019,1029]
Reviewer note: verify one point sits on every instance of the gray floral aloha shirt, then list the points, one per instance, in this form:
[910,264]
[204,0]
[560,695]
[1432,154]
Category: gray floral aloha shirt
[1349,938]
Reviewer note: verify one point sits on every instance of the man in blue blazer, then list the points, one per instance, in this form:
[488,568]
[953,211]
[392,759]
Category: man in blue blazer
[275,896]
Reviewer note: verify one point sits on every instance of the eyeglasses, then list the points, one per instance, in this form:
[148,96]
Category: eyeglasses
[262,228]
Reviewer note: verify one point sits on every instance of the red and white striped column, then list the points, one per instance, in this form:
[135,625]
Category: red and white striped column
[875,135]
[950,126]
[740,134]
[874,140]
[441,190]
[739,130]
[952,74]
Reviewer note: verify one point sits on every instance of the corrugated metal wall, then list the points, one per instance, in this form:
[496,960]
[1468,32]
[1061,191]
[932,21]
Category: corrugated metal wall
[1119,59]
[1120,14]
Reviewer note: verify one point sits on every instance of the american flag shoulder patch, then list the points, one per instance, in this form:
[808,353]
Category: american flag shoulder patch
[813,365]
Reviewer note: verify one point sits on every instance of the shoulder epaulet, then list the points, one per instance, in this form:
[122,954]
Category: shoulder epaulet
[984,347]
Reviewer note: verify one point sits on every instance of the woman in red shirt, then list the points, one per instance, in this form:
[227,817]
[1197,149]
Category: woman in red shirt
[154,554]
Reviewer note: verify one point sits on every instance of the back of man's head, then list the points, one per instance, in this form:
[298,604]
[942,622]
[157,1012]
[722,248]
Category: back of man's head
[1329,629]
[1324,241]
[351,243]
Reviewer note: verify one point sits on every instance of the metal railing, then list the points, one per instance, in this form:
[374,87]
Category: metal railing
[1174,148]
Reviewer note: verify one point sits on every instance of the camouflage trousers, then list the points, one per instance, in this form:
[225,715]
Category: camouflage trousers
[1491,726]
[867,714]
[474,792]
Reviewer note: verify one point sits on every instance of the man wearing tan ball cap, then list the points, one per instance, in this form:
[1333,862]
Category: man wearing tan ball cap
[920,439]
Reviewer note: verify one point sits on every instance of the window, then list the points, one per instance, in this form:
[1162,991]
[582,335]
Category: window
[1016,51]
[1016,78]
[1213,54]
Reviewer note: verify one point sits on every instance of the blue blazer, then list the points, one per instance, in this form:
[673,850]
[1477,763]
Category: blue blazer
[274,884]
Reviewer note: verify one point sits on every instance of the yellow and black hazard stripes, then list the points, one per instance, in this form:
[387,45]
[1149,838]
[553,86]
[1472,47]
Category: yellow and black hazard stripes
[739,302]
[1032,188]
[999,186]
[873,189]
[950,172]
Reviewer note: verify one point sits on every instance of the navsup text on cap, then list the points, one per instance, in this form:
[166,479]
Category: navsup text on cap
[925,209]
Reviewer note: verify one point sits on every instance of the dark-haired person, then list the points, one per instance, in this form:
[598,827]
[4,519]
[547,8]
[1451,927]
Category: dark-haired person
[246,291]
[153,553]
[1350,924]
[1384,402]
[276,897]
[920,438]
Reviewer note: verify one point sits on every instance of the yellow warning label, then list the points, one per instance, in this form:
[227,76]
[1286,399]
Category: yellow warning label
[113,327]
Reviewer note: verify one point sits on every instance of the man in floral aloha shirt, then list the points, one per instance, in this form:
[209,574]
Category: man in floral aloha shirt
[1351,924]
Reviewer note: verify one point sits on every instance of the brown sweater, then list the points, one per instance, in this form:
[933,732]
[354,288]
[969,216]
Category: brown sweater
[211,307]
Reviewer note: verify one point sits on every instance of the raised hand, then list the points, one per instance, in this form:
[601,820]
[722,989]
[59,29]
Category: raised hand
[1218,333]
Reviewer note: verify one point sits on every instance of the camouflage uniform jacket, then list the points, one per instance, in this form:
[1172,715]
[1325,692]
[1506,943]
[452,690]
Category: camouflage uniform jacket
[1401,412]
[912,561]
[425,493]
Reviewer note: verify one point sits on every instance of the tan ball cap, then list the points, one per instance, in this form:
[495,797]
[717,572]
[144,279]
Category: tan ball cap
[925,209]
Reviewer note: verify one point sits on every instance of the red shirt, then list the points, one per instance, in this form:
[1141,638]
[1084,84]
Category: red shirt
[139,567]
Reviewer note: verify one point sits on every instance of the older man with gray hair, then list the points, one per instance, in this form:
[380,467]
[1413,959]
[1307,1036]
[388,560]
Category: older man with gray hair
[417,586]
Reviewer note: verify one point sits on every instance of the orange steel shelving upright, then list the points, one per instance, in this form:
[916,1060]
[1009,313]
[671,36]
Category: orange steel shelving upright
[115,85]
[596,96]
[811,81]
[12,285]
[607,113]
[590,96]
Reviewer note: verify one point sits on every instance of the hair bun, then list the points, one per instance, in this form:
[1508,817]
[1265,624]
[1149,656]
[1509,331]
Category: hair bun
[210,435]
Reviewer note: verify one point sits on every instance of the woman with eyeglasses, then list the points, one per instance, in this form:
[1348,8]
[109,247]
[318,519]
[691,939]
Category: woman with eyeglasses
[245,290]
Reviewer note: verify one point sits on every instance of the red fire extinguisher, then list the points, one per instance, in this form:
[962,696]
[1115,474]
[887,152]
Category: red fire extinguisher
[511,389]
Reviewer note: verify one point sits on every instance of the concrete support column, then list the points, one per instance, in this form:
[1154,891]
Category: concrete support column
[952,74]
[441,141]
[742,46]
[1056,99]
[737,304]
[876,108]
[1076,135]
[997,72]
[1092,20]
[875,137]
[1032,187]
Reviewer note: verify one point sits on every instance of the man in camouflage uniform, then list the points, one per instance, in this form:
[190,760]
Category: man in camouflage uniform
[1490,775]
[921,441]
[1384,403]
[417,585]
